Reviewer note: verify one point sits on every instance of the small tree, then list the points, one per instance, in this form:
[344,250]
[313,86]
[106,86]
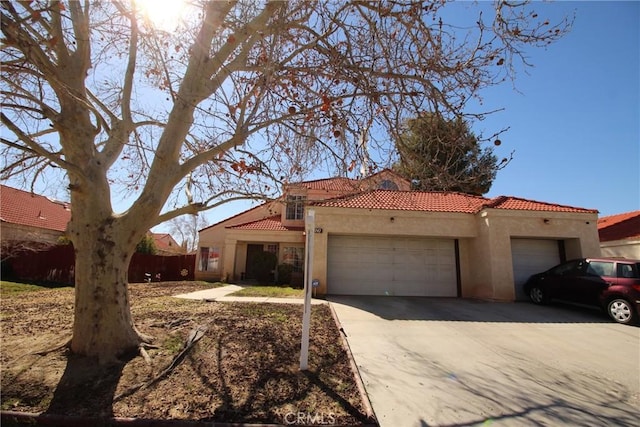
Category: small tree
[147,245]
[438,154]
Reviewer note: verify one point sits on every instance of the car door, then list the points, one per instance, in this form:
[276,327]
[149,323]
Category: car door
[561,279]
[595,277]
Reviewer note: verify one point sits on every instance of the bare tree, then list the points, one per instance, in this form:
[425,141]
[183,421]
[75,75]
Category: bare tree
[187,227]
[242,96]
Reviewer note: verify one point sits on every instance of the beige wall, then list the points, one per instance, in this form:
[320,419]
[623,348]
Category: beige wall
[236,242]
[17,232]
[216,236]
[486,266]
[491,253]
[621,248]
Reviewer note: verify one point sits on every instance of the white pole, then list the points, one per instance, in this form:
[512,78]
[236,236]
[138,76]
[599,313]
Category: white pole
[308,267]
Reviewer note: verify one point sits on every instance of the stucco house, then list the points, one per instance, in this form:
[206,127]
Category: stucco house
[35,221]
[28,217]
[620,235]
[375,237]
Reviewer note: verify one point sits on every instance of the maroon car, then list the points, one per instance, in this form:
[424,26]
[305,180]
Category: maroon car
[610,283]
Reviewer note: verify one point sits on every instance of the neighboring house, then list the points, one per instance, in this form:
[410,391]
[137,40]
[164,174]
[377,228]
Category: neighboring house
[620,235]
[28,218]
[31,219]
[166,244]
[373,237]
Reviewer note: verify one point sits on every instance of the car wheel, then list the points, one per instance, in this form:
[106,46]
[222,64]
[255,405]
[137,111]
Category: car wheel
[621,311]
[538,295]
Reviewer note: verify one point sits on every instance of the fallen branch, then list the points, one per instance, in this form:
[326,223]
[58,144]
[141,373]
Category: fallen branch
[194,336]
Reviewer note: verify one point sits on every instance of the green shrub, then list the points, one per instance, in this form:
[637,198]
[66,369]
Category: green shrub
[147,245]
[284,274]
[263,264]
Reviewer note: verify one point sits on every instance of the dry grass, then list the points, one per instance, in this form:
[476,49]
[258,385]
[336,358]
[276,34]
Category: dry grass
[245,368]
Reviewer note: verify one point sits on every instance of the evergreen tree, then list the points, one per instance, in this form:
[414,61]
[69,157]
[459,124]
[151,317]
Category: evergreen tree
[439,154]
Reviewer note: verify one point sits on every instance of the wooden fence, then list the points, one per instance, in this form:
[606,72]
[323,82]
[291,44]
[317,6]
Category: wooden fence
[57,265]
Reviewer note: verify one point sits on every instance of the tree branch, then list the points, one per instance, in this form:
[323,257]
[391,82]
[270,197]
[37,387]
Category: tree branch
[33,146]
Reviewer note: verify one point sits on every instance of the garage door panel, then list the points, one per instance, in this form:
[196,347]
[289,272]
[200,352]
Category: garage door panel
[531,256]
[370,265]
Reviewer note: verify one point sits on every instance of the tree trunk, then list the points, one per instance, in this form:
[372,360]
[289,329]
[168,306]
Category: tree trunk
[103,326]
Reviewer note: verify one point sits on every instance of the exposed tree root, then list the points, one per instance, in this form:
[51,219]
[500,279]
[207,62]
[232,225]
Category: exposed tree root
[172,324]
[65,344]
[144,354]
[194,336]
[144,338]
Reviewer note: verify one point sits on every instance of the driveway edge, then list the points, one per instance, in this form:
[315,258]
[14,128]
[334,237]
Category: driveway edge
[354,367]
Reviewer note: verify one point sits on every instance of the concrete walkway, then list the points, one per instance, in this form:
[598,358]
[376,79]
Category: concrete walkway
[222,295]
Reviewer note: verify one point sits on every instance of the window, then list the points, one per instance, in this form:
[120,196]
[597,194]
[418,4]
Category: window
[627,271]
[600,268]
[567,269]
[295,257]
[388,185]
[295,207]
[209,259]
[272,249]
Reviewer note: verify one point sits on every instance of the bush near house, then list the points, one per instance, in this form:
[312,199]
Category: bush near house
[284,274]
[263,266]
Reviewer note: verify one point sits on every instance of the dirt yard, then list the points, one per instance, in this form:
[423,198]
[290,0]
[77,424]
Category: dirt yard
[244,369]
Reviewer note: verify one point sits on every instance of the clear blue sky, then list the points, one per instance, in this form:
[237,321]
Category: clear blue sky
[573,118]
[575,127]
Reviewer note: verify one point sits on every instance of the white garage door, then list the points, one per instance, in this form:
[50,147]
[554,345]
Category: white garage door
[369,265]
[532,256]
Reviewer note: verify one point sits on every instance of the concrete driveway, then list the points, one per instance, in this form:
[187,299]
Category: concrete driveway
[457,362]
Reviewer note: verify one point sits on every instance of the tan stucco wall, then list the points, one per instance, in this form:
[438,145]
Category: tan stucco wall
[236,242]
[486,266]
[216,236]
[491,259]
[17,232]
[621,248]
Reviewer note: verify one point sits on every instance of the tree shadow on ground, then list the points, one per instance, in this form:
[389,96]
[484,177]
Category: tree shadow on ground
[512,395]
[276,392]
[470,310]
[86,389]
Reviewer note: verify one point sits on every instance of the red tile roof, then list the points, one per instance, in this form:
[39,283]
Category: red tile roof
[267,224]
[24,208]
[440,202]
[408,201]
[255,208]
[516,203]
[166,242]
[619,227]
[330,184]
[344,184]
